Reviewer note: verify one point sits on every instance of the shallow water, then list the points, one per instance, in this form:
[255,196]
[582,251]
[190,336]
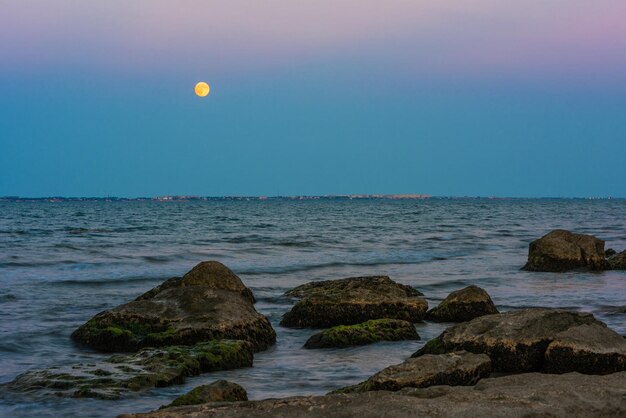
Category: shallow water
[61,263]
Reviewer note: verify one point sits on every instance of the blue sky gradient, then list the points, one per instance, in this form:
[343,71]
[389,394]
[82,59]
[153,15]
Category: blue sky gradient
[356,110]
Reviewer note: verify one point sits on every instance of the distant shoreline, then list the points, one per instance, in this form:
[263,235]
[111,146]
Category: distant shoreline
[263,198]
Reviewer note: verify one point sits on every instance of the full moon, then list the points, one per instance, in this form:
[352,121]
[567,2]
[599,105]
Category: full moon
[202,89]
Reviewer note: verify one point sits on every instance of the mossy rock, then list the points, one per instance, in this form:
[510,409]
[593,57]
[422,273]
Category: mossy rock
[219,391]
[150,367]
[352,301]
[210,302]
[537,340]
[364,333]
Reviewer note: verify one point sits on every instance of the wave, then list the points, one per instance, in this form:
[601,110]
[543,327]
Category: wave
[80,230]
[8,298]
[159,259]
[106,281]
[310,267]
[37,264]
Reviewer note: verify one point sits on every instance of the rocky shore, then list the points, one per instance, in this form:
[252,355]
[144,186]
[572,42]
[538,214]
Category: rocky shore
[522,395]
[526,362]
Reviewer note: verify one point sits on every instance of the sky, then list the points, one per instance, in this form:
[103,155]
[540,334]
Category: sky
[443,97]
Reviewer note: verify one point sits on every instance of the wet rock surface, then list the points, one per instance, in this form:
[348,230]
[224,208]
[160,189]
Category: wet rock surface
[219,391]
[212,274]
[150,367]
[519,341]
[454,369]
[364,333]
[463,305]
[593,349]
[210,302]
[562,250]
[352,301]
[617,261]
[531,394]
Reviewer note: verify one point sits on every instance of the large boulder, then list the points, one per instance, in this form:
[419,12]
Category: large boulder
[453,369]
[463,305]
[525,395]
[210,302]
[562,250]
[536,339]
[211,274]
[149,368]
[352,301]
[364,333]
[589,348]
[218,391]
[617,261]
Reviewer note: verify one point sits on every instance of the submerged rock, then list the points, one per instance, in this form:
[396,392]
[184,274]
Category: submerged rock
[218,391]
[524,395]
[364,333]
[150,367]
[463,305]
[617,261]
[562,250]
[210,302]
[520,341]
[352,301]
[453,369]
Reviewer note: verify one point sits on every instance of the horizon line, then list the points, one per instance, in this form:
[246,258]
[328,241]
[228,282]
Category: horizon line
[356,196]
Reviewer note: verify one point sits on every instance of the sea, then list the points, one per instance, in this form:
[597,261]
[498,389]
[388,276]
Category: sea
[63,262]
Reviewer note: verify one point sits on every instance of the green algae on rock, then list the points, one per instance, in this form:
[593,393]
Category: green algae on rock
[150,367]
[463,305]
[352,301]
[218,391]
[364,333]
[452,369]
[537,340]
[210,302]
[523,395]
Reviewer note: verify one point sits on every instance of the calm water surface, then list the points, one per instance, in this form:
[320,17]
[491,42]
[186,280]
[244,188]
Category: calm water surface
[61,263]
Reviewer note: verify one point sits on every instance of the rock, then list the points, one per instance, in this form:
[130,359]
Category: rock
[453,369]
[352,301]
[364,333]
[562,250]
[526,395]
[375,284]
[463,305]
[617,261]
[610,252]
[149,368]
[218,391]
[518,341]
[208,303]
[590,349]
[211,274]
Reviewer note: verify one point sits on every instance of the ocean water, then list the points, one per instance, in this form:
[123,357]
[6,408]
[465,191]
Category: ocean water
[61,263]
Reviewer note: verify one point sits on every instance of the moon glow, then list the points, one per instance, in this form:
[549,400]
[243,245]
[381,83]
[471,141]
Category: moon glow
[202,89]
